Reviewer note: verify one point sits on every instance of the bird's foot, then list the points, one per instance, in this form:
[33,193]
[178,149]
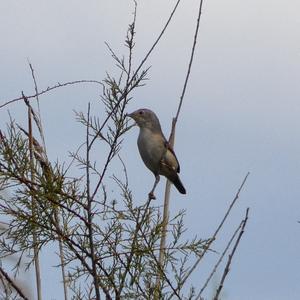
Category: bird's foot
[151,196]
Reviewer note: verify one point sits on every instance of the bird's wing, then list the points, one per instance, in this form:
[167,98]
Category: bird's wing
[169,158]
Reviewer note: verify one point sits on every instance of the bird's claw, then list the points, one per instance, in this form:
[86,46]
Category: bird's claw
[151,196]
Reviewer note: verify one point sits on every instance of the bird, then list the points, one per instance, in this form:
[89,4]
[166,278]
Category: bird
[155,150]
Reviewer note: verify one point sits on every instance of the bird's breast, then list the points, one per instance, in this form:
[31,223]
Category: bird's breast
[151,147]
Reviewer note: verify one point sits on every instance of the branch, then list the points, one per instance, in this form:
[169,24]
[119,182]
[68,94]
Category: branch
[219,260]
[39,123]
[48,89]
[138,69]
[33,203]
[190,62]
[11,282]
[214,235]
[89,211]
[227,268]
[172,142]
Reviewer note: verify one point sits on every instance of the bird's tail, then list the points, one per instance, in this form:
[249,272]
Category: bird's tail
[178,184]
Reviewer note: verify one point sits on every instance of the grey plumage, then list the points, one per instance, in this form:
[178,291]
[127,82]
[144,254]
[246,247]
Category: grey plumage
[155,150]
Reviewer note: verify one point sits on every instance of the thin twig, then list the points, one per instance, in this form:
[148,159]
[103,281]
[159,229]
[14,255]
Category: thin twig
[137,70]
[62,257]
[227,268]
[129,258]
[48,89]
[89,211]
[12,283]
[219,261]
[40,123]
[160,268]
[192,269]
[172,142]
[158,38]
[35,246]
[191,60]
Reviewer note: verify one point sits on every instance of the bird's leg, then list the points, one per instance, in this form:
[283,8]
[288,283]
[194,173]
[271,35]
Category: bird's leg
[151,194]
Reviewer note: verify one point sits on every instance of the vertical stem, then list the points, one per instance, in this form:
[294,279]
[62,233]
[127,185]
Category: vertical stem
[63,271]
[89,210]
[227,267]
[165,223]
[165,219]
[171,141]
[35,247]
[30,136]
[62,257]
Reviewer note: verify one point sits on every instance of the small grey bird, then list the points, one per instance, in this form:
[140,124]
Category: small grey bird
[155,150]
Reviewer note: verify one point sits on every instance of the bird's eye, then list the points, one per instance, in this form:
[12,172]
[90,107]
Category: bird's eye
[141,112]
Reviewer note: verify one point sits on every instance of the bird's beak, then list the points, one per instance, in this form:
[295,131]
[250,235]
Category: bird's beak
[130,115]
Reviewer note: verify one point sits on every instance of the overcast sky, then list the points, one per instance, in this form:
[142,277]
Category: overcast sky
[241,112]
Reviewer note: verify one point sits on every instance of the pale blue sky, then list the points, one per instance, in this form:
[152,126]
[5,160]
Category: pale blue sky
[241,112]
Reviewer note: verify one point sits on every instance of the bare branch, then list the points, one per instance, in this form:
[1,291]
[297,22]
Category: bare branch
[190,62]
[215,233]
[12,283]
[219,260]
[227,268]
[48,89]
[172,142]
[33,204]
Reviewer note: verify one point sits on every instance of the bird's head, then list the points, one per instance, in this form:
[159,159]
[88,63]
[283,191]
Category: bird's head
[145,118]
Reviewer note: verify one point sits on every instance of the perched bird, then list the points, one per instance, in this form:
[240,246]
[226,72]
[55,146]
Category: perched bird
[155,150]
